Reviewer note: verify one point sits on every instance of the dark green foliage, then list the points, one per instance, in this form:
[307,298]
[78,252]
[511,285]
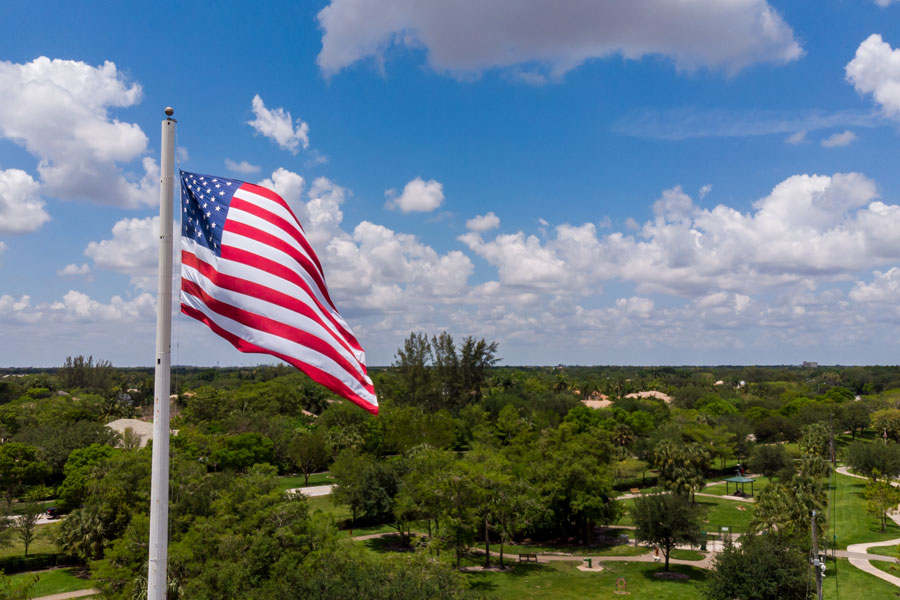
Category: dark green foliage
[77,471]
[573,478]
[242,451]
[666,520]
[83,373]
[367,486]
[435,374]
[351,574]
[866,458]
[769,459]
[309,452]
[762,567]
[20,468]
[55,440]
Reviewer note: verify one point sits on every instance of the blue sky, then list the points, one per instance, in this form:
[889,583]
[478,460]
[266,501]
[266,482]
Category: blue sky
[663,182]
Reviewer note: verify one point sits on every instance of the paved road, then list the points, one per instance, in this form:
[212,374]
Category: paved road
[313,490]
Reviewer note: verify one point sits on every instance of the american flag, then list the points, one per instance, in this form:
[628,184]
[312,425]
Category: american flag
[249,273]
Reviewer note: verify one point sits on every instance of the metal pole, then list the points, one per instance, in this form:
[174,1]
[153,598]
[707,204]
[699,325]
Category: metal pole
[817,564]
[159,484]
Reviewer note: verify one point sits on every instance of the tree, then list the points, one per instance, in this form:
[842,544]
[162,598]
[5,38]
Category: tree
[412,361]
[769,459]
[309,452]
[760,568]
[881,497]
[866,458]
[681,467]
[19,468]
[887,423]
[573,476]
[475,358]
[244,450]
[666,520]
[77,471]
[26,523]
[365,485]
[855,417]
[814,440]
[786,509]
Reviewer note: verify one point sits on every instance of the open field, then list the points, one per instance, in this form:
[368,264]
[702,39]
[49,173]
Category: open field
[43,543]
[601,550]
[294,481]
[851,523]
[845,582]
[719,513]
[53,582]
[563,581]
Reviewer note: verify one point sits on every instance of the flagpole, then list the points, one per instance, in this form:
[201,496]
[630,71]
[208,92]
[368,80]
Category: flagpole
[159,483]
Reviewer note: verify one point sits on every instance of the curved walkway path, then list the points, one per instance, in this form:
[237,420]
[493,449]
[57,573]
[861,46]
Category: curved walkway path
[858,553]
[67,595]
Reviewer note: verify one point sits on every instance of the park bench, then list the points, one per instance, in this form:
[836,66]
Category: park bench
[528,558]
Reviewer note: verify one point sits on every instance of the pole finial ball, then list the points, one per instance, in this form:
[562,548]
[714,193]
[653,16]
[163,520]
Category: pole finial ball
[169,111]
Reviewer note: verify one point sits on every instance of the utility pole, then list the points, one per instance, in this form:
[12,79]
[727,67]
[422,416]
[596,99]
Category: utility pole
[817,564]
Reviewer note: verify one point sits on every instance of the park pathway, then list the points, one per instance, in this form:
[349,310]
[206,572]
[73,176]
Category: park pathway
[862,558]
[313,490]
[67,595]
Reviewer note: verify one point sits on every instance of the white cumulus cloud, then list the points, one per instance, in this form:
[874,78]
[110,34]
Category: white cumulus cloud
[482,223]
[73,270]
[838,140]
[278,126]
[289,185]
[21,208]
[418,196]
[876,70]
[133,250]
[472,35]
[58,110]
[883,289]
[243,167]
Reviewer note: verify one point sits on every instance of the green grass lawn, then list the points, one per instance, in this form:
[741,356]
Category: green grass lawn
[884,551]
[687,554]
[563,581]
[42,544]
[851,523]
[295,481]
[327,505]
[719,513]
[602,550]
[53,582]
[845,582]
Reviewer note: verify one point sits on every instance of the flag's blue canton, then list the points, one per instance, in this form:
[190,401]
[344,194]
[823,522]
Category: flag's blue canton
[204,206]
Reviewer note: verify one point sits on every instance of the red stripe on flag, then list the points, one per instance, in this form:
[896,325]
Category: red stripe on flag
[269,194]
[276,269]
[276,328]
[256,210]
[264,237]
[314,373]
[256,290]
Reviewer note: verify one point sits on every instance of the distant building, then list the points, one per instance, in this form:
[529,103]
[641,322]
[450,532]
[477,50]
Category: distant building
[810,364]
